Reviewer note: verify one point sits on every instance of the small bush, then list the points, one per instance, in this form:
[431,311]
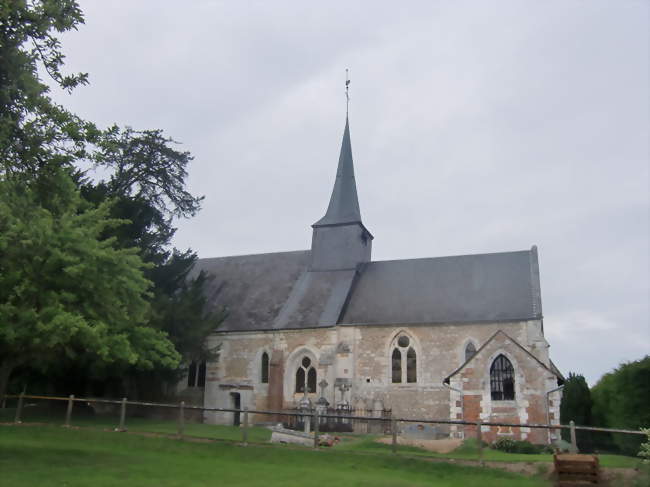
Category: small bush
[504,444]
[509,445]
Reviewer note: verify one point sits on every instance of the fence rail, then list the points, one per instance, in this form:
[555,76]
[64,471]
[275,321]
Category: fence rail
[293,412]
[304,417]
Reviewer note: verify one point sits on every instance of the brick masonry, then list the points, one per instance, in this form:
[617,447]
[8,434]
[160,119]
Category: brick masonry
[361,355]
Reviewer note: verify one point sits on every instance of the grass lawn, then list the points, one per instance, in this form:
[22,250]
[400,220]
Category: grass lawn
[52,455]
[369,445]
[352,443]
[57,417]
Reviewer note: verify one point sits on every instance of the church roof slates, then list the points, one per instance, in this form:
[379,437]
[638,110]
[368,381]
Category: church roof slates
[466,288]
[277,291]
[344,202]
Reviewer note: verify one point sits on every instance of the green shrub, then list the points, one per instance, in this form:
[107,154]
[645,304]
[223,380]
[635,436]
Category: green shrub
[509,445]
[504,444]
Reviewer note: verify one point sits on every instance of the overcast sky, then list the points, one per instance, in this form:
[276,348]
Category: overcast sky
[476,127]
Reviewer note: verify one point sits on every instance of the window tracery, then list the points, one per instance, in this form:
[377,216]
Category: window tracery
[403,361]
[306,376]
[502,379]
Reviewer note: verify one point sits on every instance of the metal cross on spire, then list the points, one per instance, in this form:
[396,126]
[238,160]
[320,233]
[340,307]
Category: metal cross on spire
[347,93]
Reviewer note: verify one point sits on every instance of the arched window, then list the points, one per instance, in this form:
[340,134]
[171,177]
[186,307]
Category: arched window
[403,371]
[470,351]
[411,374]
[311,380]
[200,381]
[191,375]
[306,376]
[196,375]
[502,379]
[264,376]
[397,365]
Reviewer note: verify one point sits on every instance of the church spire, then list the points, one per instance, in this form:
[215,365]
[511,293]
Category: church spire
[344,203]
[340,242]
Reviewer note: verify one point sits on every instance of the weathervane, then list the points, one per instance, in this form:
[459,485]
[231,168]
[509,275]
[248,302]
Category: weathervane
[347,93]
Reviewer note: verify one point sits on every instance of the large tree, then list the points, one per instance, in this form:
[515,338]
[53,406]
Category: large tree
[576,406]
[42,144]
[622,400]
[36,134]
[66,292]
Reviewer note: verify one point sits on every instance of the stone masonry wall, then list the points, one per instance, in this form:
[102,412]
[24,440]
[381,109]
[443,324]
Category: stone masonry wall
[360,357]
[530,405]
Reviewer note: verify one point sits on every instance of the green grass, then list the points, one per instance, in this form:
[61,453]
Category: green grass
[57,417]
[51,455]
[365,443]
[368,444]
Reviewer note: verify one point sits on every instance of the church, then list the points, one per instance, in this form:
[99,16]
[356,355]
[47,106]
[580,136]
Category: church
[459,337]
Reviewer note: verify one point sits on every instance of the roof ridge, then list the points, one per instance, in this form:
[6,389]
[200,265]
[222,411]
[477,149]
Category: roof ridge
[451,256]
[252,255]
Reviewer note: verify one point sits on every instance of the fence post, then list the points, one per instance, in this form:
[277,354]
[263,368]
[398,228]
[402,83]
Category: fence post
[574,443]
[479,437]
[244,432]
[181,419]
[316,426]
[68,413]
[19,409]
[122,415]
[393,430]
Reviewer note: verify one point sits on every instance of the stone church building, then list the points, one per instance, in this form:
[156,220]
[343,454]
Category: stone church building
[457,337]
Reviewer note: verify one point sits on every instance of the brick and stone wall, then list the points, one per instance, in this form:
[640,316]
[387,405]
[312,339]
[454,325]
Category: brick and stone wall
[360,357]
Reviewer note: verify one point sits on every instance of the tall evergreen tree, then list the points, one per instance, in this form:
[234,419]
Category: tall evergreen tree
[576,406]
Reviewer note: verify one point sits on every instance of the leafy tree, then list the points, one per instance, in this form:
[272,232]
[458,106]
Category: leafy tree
[576,406]
[35,133]
[144,182]
[621,400]
[185,316]
[65,291]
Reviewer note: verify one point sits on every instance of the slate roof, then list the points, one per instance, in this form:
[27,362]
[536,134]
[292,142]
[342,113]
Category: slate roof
[344,202]
[278,291]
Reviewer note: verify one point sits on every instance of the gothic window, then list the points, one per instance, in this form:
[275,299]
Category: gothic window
[196,375]
[502,379]
[265,368]
[311,380]
[300,380]
[191,375]
[306,376]
[470,351]
[403,370]
[397,365]
[200,381]
[411,366]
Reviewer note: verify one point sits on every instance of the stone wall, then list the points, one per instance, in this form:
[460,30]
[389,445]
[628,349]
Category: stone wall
[359,359]
[472,399]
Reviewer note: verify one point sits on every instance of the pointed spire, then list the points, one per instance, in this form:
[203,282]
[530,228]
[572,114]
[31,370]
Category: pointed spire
[344,203]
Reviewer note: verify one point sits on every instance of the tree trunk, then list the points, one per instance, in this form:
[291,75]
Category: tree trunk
[6,367]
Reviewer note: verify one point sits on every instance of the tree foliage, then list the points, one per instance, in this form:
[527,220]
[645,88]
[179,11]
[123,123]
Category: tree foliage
[67,293]
[36,133]
[84,295]
[622,400]
[576,406]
